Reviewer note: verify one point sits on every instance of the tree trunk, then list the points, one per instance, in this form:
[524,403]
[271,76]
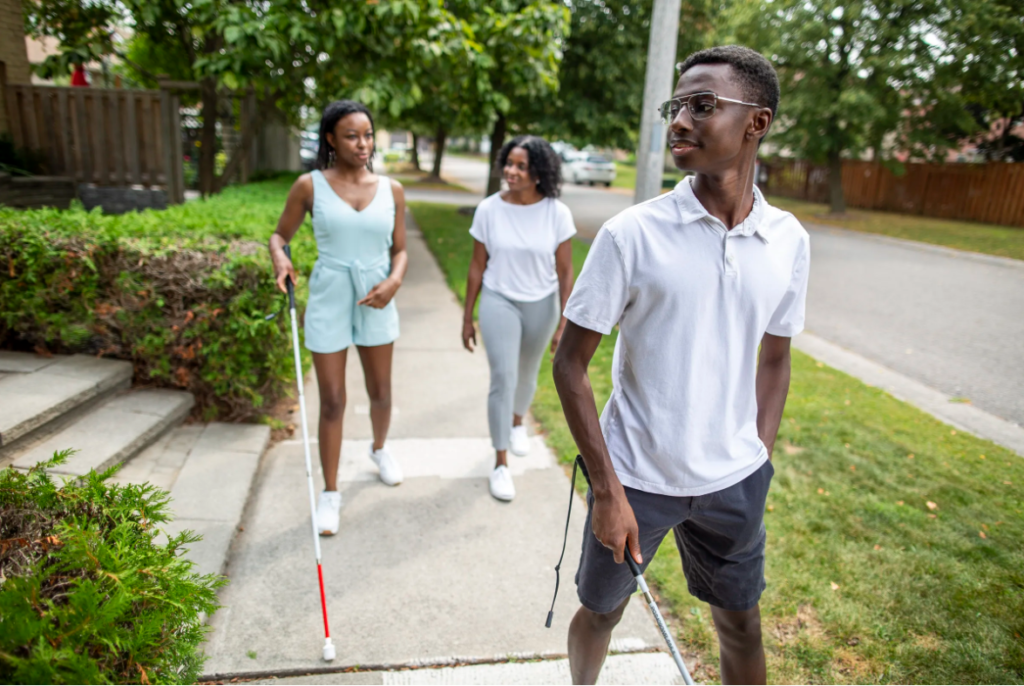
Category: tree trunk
[208,139]
[416,151]
[497,140]
[835,183]
[439,141]
[240,158]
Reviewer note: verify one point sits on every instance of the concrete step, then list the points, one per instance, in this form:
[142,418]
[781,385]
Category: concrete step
[36,391]
[111,431]
[209,471]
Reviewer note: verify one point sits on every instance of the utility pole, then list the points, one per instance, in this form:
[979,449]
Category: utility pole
[661,58]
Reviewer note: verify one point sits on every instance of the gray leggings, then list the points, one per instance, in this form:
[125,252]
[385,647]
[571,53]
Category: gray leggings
[516,334]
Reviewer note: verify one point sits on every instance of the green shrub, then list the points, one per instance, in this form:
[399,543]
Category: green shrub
[182,293]
[87,594]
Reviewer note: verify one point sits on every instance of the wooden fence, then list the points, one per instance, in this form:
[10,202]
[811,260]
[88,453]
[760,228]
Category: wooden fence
[106,137]
[991,193]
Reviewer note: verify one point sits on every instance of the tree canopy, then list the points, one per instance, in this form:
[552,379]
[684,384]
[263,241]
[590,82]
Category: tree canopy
[602,73]
[914,77]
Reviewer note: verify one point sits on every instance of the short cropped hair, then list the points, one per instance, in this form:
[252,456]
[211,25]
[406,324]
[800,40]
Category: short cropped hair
[755,75]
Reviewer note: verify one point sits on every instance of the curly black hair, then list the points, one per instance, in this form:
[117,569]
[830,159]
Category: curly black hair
[333,113]
[545,167]
[754,74]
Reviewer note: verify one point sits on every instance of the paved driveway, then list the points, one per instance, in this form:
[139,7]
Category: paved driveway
[950,321]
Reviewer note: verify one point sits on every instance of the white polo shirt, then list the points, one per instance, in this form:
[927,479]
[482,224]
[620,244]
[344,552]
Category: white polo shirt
[692,301]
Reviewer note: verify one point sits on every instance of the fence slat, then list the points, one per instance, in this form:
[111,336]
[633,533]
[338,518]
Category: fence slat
[94,135]
[29,119]
[990,193]
[1017,208]
[130,141]
[85,146]
[116,140]
[64,130]
[177,181]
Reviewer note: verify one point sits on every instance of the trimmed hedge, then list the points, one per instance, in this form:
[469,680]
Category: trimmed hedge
[182,293]
[88,592]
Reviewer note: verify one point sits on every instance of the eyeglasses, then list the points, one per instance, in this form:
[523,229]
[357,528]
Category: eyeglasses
[701,105]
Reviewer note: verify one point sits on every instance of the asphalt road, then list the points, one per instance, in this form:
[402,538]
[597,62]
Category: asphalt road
[949,320]
[952,322]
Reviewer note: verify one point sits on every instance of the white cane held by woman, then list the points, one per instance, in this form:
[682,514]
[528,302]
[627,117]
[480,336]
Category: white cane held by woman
[328,651]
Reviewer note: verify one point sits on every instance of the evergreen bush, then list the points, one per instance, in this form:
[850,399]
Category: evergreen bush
[87,593]
[182,293]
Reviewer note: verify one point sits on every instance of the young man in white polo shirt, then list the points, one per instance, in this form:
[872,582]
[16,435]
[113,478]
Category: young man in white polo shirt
[696,280]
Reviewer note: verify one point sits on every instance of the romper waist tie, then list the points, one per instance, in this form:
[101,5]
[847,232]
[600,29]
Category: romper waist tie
[362,276]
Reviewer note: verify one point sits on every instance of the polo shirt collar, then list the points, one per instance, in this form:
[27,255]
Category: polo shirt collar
[691,210]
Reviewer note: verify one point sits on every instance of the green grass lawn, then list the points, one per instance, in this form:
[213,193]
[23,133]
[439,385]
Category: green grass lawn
[411,179]
[625,176]
[895,544]
[990,239]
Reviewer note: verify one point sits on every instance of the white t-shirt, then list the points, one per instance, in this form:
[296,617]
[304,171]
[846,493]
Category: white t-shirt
[521,241]
[692,301]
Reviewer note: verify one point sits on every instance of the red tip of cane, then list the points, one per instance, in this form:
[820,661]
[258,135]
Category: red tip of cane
[323,600]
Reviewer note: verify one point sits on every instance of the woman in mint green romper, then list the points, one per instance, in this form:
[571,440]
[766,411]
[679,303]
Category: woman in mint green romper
[359,225]
[354,255]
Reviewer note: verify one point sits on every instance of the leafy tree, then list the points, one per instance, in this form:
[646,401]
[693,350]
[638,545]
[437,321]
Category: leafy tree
[519,45]
[450,86]
[292,52]
[602,74]
[984,70]
[852,74]
[83,30]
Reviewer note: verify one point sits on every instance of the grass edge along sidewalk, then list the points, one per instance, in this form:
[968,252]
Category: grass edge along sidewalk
[895,543]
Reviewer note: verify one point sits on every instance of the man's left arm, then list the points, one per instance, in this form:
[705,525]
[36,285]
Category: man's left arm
[772,387]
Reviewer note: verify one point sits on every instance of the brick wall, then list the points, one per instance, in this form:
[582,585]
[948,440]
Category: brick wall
[12,50]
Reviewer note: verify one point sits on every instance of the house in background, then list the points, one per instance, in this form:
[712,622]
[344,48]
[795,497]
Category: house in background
[14,64]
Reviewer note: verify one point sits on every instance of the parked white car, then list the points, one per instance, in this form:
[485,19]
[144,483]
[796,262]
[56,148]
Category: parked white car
[588,167]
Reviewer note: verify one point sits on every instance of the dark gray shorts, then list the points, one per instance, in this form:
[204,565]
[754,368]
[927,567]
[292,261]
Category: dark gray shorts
[720,537]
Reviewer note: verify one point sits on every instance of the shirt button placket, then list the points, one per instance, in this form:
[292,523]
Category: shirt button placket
[730,256]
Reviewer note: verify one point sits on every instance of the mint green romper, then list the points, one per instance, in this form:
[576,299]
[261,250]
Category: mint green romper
[354,255]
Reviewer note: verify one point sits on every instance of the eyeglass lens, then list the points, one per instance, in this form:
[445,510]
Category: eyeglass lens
[701,106]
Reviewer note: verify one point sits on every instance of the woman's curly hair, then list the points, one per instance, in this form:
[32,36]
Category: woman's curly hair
[545,166]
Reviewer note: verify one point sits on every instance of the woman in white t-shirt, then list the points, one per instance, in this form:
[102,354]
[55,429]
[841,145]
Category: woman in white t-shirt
[522,271]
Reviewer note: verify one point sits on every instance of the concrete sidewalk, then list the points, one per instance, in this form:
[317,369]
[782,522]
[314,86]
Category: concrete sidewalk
[432,572]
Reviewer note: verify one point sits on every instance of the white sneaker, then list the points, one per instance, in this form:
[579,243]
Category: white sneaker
[502,487]
[519,442]
[328,513]
[390,472]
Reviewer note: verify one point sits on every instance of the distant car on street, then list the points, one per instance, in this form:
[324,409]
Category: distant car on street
[309,142]
[564,150]
[588,167]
